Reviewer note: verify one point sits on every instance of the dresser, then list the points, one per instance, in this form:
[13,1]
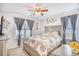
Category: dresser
[3,49]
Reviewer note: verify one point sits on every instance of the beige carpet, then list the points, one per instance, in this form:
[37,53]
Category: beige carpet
[17,52]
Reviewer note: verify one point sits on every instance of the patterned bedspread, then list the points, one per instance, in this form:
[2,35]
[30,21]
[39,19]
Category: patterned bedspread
[45,43]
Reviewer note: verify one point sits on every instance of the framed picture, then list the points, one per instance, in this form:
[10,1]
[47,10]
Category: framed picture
[52,20]
[37,25]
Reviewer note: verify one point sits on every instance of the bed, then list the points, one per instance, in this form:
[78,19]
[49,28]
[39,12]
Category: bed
[43,45]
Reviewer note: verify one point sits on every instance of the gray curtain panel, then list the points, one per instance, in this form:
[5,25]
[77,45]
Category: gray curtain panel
[64,21]
[73,19]
[30,25]
[19,22]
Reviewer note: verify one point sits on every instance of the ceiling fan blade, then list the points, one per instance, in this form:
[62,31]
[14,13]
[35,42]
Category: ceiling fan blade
[44,10]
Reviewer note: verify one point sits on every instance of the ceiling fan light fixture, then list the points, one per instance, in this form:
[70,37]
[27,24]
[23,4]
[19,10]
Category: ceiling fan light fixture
[37,13]
[38,10]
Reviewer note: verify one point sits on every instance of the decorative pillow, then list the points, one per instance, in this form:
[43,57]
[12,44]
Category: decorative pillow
[55,33]
[32,42]
[48,34]
[45,35]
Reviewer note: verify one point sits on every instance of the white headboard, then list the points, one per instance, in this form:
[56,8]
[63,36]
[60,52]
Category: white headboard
[57,28]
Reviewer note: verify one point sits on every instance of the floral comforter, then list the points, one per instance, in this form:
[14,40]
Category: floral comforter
[45,43]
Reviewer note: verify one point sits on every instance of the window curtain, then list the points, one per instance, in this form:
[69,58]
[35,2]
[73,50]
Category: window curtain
[73,19]
[30,25]
[64,21]
[19,22]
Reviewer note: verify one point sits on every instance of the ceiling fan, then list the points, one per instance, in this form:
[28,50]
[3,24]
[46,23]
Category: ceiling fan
[38,10]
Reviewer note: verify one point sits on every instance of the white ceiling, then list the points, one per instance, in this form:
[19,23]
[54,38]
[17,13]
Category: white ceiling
[53,8]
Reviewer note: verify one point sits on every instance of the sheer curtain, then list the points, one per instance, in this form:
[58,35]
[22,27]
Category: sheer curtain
[73,19]
[69,32]
[25,30]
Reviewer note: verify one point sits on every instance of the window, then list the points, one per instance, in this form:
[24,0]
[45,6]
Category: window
[69,31]
[25,32]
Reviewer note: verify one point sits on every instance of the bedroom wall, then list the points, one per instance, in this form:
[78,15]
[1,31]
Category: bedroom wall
[58,22]
[12,42]
[42,23]
[38,27]
[71,12]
